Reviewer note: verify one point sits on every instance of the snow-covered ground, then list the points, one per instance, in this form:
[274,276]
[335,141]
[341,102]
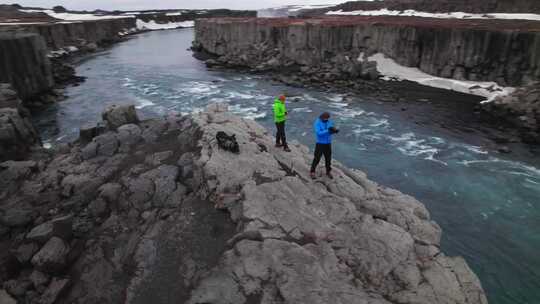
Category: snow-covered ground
[141,25]
[452,15]
[152,25]
[76,17]
[393,71]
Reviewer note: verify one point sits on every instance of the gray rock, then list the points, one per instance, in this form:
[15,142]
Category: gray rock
[60,227]
[128,135]
[98,208]
[107,144]
[55,289]
[52,257]
[157,159]
[110,192]
[16,217]
[89,151]
[39,279]
[118,115]
[17,288]
[346,241]
[25,252]
[5,298]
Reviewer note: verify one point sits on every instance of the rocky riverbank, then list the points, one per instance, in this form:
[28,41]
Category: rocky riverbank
[128,214]
[522,109]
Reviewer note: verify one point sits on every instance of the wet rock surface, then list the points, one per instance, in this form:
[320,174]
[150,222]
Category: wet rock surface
[136,221]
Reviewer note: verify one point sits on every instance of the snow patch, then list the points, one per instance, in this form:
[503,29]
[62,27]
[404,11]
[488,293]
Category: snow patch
[75,17]
[389,68]
[152,25]
[450,15]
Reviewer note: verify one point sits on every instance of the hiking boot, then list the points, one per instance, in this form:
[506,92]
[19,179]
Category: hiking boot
[286,149]
[329,175]
[312,175]
[278,145]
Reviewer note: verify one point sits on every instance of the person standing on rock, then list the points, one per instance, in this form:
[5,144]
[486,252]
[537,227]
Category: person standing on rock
[324,128]
[280,116]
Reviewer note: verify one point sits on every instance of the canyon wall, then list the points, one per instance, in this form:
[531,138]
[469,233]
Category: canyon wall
[24,63]
[492,50]
[62,34]
[190,15]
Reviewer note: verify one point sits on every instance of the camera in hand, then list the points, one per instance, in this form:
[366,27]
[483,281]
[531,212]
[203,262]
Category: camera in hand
[333,130]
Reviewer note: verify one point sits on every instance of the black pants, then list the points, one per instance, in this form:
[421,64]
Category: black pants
[280,135]
[321,149]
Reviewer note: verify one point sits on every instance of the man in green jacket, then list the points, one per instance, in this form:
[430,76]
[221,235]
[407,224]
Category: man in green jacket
[280,116]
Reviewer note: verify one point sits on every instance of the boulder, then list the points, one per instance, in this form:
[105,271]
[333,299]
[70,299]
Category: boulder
[55,289]
[60,227]
[52,257]
[25,252]
[39,279]
[118,115]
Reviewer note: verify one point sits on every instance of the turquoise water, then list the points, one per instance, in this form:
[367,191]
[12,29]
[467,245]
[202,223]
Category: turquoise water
[488,204]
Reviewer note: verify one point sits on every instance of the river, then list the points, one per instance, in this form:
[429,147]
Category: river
[487,203]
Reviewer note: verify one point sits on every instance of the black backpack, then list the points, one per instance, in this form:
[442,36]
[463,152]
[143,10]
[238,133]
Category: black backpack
[227,142]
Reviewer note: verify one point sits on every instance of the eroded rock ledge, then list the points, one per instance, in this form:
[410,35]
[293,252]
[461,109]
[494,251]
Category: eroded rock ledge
[131,217]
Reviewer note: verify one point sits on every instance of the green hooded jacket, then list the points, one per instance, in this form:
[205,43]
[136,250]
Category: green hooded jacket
[279,111]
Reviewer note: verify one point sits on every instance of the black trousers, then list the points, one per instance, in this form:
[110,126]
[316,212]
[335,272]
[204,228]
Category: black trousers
[280,135]
[320,150]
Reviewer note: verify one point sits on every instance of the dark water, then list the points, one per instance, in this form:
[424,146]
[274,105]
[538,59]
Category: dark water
[488,204]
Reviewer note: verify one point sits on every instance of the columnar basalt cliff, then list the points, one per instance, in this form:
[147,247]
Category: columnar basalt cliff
[127,214]
[481,50]
[24,63]
[59,35]
[191,15]
[480,6]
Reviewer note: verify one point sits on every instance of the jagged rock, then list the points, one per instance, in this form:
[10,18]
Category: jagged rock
[55,289]
[317,240]
[5,298]
[118,115]
[288,239]
[52,257]
[60,227]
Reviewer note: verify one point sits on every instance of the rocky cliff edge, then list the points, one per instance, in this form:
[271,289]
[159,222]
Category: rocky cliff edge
[129,215]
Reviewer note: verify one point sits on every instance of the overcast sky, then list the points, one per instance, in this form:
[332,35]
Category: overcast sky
[161,4]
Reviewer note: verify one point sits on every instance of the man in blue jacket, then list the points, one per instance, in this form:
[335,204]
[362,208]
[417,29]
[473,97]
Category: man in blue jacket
[324,128]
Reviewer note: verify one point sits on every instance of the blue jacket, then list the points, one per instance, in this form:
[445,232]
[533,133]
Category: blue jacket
[322,132]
